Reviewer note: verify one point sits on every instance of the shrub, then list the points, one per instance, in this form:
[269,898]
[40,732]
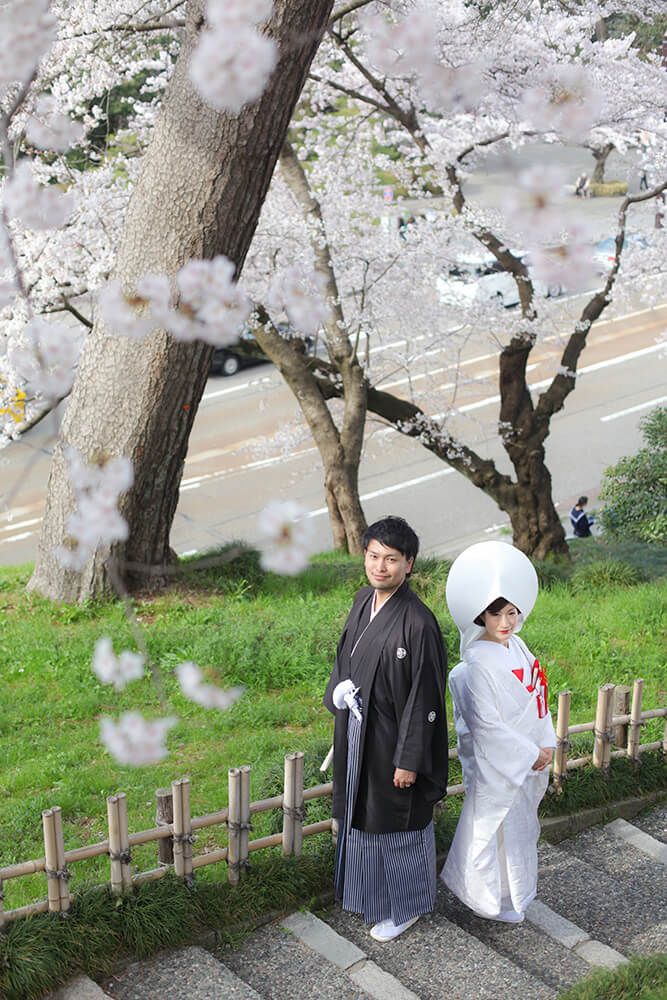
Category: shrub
[609,189]
[603,575]
[634,490]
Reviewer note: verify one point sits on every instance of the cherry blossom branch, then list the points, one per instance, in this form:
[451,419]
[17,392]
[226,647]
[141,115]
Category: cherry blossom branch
[409,419]
[348,9]
[552,400]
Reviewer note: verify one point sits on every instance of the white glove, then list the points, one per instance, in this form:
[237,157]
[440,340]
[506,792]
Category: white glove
[344,696]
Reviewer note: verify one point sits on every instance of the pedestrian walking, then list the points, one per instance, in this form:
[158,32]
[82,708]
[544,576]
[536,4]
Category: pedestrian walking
[581,521]
[387,693]
[505,736]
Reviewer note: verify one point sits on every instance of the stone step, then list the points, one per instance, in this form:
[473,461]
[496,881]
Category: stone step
[187,974]
[437,957]
[281,966]
[531,948]
[615,891]
[654,822]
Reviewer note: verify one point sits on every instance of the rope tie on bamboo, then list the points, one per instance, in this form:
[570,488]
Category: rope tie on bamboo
[236,825]
[294,812]
[125,857]
[562,741]
[58,873]
[184,838]
[603,734]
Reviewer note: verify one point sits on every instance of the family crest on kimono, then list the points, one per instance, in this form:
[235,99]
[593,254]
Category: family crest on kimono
[387,694]
[505,735]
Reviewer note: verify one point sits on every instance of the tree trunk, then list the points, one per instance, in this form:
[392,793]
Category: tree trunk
[339,450]
[600,155]
[204,179]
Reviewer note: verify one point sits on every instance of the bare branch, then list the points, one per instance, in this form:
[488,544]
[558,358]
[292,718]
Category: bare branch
[68,307]
[348,9]
[552,400]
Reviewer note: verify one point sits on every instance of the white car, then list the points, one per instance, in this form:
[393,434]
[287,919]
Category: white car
[482,278]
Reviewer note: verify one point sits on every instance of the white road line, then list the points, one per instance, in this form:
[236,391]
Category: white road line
[633,409]
[547,381]
[390,489]
[17,538]
[21,524]
[262,463]
[234,388]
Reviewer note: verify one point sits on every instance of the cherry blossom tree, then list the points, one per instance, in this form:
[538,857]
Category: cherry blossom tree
[407,78]
[197,194]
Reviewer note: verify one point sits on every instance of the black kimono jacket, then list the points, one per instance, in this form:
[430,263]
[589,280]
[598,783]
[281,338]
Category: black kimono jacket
[400,664]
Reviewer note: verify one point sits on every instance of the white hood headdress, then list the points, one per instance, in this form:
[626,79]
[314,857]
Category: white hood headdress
[480,575]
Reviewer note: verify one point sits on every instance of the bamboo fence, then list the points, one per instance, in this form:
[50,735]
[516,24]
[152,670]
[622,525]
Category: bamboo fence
[176,827]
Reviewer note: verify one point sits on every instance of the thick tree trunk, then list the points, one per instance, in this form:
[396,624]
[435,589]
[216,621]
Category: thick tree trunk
[202,186]
[600,155]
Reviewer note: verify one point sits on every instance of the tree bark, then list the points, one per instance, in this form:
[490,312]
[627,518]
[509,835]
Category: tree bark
[340,450]
[204,179]
[600,155]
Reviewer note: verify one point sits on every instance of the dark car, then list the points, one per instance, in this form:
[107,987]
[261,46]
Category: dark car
[227,361]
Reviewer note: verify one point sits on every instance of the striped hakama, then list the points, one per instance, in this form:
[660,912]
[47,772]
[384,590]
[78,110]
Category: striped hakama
[383,876]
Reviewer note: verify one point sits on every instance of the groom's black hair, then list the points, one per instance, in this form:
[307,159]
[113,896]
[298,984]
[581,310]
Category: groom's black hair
[394,533]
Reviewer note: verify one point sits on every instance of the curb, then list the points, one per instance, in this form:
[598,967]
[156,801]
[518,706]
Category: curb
[557,828]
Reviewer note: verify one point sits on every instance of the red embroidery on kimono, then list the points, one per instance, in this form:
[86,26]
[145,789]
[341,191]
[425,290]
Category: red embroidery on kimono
[518,673]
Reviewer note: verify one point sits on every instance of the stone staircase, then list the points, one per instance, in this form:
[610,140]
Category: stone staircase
[601,899]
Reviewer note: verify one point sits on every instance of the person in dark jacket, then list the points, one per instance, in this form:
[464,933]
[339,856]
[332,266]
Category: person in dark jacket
[387,693]
[580,520]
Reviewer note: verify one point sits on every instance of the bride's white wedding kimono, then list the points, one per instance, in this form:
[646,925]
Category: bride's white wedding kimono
[492,863]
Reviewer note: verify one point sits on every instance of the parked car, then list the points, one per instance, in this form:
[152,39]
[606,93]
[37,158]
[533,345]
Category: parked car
[227,361]
[483,278]
[604,254]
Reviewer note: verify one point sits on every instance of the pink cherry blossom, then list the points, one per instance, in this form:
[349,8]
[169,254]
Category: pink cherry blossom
[301,294]
[47,128]
[190,679]
[96,519]
[116,670]
[27,29]
[36,206]
[232,64]
[125,315]
[287,532]
[134,740]
[46,357]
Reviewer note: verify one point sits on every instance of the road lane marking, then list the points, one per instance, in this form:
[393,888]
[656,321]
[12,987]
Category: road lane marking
[633,409]
[17,538]
[21,524]
[390,489]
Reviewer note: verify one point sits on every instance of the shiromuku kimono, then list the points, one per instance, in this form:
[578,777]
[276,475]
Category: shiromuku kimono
[502,721]
[385,856]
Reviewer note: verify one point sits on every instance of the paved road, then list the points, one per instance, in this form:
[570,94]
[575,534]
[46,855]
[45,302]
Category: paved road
[231,471]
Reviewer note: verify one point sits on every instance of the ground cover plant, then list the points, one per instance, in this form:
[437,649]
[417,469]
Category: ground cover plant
[277,637]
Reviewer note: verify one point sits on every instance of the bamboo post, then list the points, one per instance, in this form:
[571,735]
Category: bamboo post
[63,874]
[124,840]
[634,732]
[164,816]
[234,824]
[288,804]
[182,829]
[562,741]
[114,845]
[51,858]
[244,817]
[621,707]
[602,743]
[298,803]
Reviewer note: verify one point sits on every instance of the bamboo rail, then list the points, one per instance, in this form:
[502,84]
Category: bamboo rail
[179,833]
